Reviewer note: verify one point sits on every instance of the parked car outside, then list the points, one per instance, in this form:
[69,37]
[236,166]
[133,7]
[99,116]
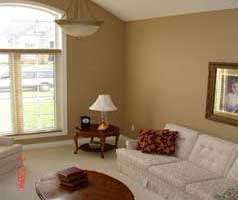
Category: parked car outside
[41,80]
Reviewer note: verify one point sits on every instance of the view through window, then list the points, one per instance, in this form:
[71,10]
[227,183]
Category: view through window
[30,55]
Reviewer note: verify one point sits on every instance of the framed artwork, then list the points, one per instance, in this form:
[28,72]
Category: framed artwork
[222,93]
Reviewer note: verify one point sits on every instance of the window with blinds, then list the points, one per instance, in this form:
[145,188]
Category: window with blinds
[30,67]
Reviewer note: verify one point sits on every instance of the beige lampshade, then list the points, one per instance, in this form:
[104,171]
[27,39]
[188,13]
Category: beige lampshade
[104,104]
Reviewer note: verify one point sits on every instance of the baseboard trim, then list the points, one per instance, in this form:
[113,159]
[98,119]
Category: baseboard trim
[70,142]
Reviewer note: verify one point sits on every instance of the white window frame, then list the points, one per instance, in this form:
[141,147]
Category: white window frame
[61,74]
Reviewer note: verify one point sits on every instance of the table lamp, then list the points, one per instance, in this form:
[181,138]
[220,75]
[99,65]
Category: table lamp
[103,104]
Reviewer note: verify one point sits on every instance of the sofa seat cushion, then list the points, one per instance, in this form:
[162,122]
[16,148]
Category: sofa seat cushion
[232,174]
[182,173]
[210,189]
[142,160]
[9,150]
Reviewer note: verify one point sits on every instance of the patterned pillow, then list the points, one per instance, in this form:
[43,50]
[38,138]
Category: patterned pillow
[157,141]
[230,194]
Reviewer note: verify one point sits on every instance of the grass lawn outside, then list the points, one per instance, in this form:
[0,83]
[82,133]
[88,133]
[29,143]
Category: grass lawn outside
[38,111]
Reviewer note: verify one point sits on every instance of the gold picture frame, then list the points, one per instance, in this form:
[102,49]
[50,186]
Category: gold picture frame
[222,93]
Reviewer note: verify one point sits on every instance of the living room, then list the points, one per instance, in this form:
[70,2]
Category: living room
[159,66]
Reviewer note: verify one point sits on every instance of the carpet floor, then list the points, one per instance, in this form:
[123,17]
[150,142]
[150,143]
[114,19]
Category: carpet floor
[40,162]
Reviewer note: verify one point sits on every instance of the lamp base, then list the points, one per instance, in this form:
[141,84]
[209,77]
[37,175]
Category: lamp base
[102,126]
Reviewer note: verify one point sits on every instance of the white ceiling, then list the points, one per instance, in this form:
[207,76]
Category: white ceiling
[130,10]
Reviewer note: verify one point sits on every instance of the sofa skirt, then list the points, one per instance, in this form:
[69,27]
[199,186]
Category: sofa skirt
[167,191]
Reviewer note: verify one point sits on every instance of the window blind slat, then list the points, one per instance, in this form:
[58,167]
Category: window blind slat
[31,51]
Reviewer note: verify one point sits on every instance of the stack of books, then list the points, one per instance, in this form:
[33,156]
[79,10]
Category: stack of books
[73,178]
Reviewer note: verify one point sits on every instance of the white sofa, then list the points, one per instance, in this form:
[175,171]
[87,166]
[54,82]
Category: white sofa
[209,189]
[10,155]
[200,161]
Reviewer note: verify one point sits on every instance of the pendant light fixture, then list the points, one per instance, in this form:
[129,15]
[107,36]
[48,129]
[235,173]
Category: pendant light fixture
[78,20]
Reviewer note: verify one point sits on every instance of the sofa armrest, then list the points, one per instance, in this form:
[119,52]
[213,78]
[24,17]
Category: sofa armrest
[131,144]
[6,141]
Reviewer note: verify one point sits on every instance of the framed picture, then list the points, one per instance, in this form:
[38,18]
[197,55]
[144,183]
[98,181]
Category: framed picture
[222,94]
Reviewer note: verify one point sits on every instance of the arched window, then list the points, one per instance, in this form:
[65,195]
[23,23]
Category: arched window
[31,65]
[28,28]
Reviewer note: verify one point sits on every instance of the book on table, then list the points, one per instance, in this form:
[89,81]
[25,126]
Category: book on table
[73,177]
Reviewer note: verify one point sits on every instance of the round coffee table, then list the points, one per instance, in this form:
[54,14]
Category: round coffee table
[101,187]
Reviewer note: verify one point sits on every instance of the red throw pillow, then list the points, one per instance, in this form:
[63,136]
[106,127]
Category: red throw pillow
[157,141]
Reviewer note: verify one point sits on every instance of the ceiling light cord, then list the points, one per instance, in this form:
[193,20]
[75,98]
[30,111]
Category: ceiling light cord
[89,11]
[77,7]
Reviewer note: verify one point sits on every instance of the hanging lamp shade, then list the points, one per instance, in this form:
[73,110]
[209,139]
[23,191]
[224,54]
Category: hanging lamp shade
[79,28]
[82,23]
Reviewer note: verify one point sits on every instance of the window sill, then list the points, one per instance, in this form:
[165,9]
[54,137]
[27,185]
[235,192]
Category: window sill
[40,135]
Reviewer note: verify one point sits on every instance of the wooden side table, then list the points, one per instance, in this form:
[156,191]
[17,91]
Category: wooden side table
[92,133]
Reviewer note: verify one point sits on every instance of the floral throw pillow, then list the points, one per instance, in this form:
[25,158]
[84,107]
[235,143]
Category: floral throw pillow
[157,141]
[230,194]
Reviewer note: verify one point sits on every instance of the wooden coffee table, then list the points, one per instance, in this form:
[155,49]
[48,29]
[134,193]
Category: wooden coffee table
[100,187]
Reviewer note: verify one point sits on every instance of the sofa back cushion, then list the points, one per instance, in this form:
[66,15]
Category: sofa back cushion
[213,154]
[185,140]
[232,174]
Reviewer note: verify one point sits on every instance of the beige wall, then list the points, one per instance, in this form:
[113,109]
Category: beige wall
[158,67]
[95,66]
[167,69]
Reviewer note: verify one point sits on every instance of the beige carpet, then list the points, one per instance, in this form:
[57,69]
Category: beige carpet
[40,162]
